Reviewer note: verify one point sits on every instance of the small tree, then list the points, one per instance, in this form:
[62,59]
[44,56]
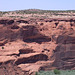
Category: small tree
[2,47]
[56,71]
[36,73]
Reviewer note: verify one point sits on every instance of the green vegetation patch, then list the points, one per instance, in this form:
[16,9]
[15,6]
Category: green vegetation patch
[56,72]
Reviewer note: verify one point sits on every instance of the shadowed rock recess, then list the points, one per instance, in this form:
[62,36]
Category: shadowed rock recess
[29,45]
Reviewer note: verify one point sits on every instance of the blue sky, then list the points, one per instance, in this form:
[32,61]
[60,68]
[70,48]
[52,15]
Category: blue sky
[10,5]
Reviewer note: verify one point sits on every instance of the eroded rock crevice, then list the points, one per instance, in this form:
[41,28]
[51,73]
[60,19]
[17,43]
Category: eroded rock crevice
[32,59]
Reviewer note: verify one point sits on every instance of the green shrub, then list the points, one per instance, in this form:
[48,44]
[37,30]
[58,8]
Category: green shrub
[56,71]
[36,73]
[2,47]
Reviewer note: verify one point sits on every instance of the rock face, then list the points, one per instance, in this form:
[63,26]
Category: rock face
[65,53]
[27,46]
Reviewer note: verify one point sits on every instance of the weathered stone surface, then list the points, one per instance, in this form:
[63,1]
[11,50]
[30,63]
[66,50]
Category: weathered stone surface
[25,51]
[6,21]
[4,52]
[2,43]
[31,68]
[31,58]
[65,54]
[36,44]
[4,59]
[22,21]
